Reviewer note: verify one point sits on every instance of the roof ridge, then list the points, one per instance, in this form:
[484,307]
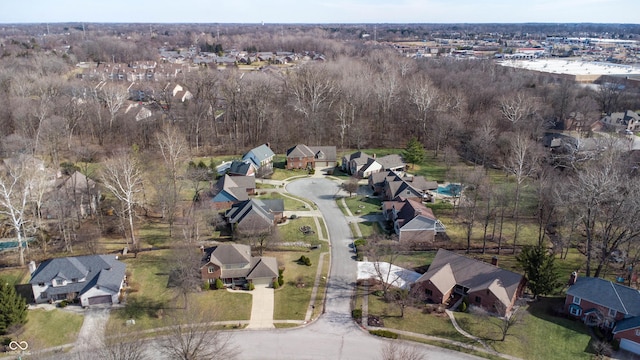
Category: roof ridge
[619,298]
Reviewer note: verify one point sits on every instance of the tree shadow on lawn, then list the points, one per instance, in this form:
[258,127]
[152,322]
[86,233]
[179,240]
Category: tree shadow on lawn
[139,306]
[551,309]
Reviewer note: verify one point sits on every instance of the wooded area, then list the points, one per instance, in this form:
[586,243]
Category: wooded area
[361,95]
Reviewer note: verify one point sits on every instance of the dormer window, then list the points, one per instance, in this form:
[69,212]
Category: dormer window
[41,284]
[75,280]
[58,282]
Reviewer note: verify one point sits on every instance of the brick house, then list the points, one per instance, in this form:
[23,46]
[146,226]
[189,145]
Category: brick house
[302,157]
[485,285]
[599,302]
[229,190]
[413,222]
[234,265]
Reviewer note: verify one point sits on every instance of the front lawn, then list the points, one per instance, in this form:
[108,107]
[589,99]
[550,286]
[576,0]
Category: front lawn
[292,299]
[363,205]
[414,320]
[539,335]
[290,232]
[290,204]
[48,328]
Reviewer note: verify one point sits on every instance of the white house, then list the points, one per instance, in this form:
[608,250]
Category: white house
[93,279]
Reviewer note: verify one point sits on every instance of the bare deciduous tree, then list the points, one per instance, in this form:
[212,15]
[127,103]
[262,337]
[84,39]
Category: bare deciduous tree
[123,177]
[395,350]
[190,339]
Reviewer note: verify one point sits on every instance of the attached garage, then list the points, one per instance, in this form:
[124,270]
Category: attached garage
[630,346]
[97,300]
[262,281]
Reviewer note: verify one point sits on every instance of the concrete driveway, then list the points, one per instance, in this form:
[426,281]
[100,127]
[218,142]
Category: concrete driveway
[93,328]
[261,308]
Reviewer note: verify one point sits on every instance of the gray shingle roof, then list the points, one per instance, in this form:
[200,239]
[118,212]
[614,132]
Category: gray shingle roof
[101,270]
[608,294]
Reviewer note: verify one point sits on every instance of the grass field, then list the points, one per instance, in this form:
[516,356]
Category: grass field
[290,203]
[48,328]
[539,335]
[292,299]
[290,232]
[361,205]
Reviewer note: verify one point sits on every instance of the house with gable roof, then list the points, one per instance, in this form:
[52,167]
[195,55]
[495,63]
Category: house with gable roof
[93,279]
[255,216]
[600,302]
[262,158]
[229,190]
[485,285]
[302,157]
[413,222]
[234,265]
[241,168]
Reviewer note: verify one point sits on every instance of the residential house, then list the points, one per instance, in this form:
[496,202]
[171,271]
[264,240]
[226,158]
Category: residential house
[396,185]
[255,216]
[600,302]
[229,190]
[241,168]
[628,120]
[302,156]
[262,158]
[234,265]
[75,193]
[413,222]
[363,165]
[485,285]
[352,163]
[93,279]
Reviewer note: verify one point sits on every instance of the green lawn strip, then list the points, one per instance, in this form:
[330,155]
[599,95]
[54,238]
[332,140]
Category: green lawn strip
[323,228]
[14,276]
[322,286]
[291,301]
[414,320]
[290,231]
[446,345]
[154,233]
[539,335]
[361,205]
[285,325]
[48,328]
[222,305]
[368,228]
[415,260]
[289,203]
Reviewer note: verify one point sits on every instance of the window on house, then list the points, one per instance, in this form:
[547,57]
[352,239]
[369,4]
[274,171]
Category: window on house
[41,284]
[478,299]
[428,292]
[576,300]
[612,313]
[211,270]
[575,311]
[75,280]
[59,282]
[637,332]
[44,296]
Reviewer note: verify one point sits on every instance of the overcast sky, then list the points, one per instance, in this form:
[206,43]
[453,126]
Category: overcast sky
[320,11]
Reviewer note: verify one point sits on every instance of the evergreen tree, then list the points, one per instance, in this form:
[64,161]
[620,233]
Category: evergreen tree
[13,308]
[540,269]
[413,152]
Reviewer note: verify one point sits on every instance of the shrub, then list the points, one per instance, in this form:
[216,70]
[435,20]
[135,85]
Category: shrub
[206,285]
[280,277]
[384,333]
[251,287]
[219,284]
[304,260]
[360,242]
[464,306]
[378,293]
[63,303]
[356,313]
[276,284]
[293,216]
[615,344]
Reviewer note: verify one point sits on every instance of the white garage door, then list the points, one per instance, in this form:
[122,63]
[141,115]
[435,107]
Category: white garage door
[262,281]
[104,299]
[630,346]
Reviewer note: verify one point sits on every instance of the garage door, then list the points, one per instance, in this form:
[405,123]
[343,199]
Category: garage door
[630,346]
[104,299]
[262,281]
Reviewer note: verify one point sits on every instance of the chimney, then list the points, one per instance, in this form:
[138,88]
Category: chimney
[494,261]
[32,266]
[202,249]
[573,278]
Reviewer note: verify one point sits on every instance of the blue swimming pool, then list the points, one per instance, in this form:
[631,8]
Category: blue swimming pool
[5,245]
[449,190]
